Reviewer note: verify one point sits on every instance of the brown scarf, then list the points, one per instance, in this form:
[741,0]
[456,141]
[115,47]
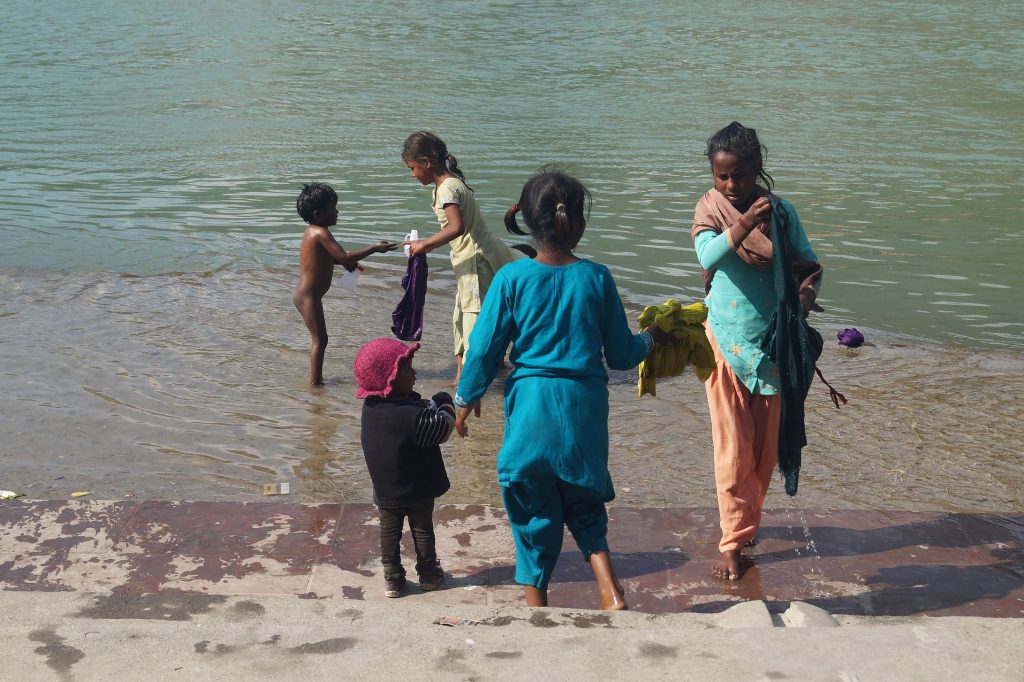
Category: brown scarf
[714,212]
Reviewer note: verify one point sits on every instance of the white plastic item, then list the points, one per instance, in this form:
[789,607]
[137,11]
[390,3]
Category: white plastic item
[413,236]
[349,280]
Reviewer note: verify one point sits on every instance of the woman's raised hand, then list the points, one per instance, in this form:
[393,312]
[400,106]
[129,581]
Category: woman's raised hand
[759,212]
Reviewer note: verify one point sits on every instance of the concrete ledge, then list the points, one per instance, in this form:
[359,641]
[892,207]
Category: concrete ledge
[174,636]
[748,614]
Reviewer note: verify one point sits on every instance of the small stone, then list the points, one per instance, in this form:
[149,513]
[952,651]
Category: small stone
[802,615]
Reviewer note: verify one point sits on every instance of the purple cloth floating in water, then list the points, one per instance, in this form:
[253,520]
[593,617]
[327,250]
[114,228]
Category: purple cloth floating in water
[850,337]
[407,319]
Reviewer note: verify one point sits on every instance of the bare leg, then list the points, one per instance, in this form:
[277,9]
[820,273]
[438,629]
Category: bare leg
[458,371]
[535,596]
[609,589]
[312,310]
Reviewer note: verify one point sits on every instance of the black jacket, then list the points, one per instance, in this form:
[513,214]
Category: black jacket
[401,438]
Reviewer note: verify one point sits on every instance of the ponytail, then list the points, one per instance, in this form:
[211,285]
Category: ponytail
[510,221]
[563,223]
[452,164]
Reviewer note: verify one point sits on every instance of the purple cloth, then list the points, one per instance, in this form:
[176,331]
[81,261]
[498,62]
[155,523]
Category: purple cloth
[850,337]
[407,319]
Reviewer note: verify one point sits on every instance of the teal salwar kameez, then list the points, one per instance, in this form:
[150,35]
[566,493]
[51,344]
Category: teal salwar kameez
[564,324]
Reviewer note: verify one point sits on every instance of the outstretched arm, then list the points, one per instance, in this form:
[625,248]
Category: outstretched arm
[435,423]
[491,337]
[622,348]
[349,259]
[455,228]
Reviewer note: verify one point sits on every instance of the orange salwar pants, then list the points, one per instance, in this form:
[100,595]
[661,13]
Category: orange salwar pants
[745,433]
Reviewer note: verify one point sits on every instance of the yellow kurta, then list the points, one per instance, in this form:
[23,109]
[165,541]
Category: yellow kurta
[477,254]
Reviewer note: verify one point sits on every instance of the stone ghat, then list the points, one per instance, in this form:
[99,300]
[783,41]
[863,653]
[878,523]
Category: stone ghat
[859,563]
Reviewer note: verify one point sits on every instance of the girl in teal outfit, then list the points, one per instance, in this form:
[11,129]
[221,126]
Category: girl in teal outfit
[732,237]
[564,319]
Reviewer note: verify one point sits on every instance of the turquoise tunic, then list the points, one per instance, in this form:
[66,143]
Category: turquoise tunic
[741,303]
[564,323]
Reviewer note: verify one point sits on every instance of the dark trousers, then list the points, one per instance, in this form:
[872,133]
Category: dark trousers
[421,524]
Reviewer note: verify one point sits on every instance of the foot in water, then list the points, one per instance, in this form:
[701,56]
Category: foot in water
[730,565]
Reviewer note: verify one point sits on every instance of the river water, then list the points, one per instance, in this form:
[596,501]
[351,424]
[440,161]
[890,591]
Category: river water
[152,152]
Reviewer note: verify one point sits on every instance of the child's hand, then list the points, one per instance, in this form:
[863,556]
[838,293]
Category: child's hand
[460,421]
[759,212]
[659,335]
[442,398]
[416,247]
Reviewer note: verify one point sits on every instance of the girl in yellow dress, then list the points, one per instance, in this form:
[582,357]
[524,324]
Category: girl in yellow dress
[476,253]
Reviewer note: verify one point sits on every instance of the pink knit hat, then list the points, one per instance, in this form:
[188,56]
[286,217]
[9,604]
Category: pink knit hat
[376,366]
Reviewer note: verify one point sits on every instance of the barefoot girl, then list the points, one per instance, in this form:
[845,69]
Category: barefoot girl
[732,236]
[564,319]
[476,253]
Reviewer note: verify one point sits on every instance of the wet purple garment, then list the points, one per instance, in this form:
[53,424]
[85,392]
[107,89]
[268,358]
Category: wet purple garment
[850,337]
[407,319]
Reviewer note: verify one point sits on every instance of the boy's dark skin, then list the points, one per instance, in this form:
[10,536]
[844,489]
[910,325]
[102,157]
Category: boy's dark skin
[317,256]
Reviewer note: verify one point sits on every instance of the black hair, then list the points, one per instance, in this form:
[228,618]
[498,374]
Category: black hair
[527,249]
[316,196]
[426,145]
[555,207]
[743,143]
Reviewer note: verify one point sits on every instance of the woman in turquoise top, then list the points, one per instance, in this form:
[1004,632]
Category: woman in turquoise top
[731,234]
[564,319]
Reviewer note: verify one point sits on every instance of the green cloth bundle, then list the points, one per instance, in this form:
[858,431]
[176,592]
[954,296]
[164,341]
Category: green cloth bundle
[690,345]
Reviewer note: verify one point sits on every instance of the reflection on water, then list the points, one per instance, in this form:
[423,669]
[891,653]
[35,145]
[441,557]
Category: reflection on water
[194,386]
[314,469]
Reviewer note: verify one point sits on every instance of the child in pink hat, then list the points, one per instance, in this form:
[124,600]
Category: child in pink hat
[401,435]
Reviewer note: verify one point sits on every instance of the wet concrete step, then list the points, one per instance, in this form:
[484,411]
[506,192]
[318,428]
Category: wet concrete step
[875,563]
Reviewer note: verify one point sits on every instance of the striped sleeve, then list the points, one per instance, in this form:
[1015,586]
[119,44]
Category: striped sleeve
[435,424]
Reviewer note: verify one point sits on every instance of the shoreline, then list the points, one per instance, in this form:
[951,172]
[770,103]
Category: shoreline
[389,272]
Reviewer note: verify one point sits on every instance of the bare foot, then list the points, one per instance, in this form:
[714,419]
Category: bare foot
[614,600]
[609,589]
[729,566]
